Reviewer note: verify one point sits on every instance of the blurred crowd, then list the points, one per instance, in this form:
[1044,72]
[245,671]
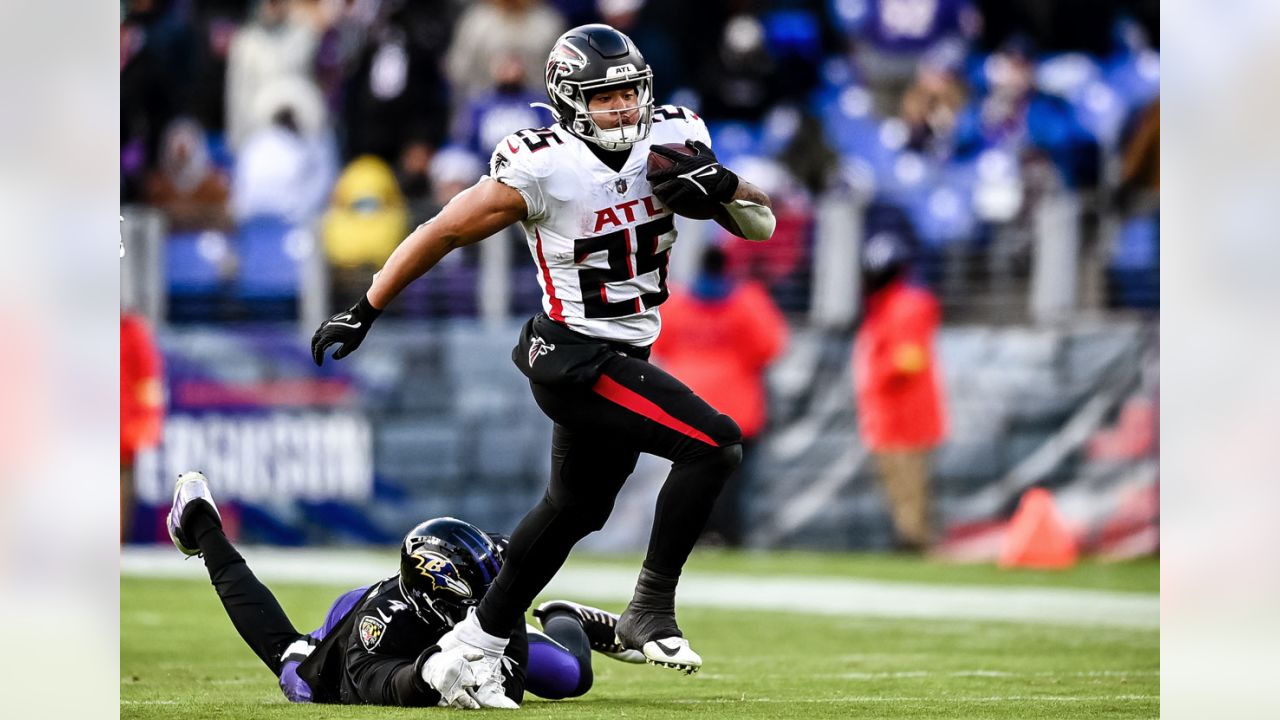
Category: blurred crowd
[265,130]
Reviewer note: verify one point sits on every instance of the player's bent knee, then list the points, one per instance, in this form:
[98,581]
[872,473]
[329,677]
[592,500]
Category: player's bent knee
[724,461]
[725,431]
[732,456]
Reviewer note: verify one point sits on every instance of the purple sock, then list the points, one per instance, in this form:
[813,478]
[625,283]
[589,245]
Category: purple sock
[294,687]
[554,673]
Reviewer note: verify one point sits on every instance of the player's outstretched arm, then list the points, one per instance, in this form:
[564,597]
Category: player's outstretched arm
[473,215]
[749,214]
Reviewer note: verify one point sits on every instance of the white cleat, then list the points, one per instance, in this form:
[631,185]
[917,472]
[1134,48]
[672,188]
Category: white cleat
[192,486]
[673,652]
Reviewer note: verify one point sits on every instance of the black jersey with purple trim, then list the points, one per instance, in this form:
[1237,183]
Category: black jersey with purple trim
[374,655]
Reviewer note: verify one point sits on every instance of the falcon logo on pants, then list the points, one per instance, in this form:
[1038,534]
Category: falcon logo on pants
[537,348]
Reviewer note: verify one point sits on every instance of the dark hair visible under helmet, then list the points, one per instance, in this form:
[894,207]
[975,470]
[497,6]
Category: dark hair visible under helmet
[446,566]
[586,60]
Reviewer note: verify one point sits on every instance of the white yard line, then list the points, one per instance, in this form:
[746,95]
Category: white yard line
[819,595]
[906,674]
[946,699]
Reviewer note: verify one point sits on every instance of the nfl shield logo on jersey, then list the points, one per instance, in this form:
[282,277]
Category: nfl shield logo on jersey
[537,348]
[621,186]
[371,629]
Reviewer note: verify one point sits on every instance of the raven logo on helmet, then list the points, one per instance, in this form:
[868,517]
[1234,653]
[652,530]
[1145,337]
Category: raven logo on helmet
[442,573]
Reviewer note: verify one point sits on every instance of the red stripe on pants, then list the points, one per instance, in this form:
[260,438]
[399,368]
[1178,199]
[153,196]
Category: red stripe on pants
[609,389]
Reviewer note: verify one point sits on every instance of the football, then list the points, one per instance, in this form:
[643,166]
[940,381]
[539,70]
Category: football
[697,210]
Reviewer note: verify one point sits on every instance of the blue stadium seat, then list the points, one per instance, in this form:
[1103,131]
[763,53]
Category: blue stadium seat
[1134,270]
[194,274]
[1137,245]
[734,139]
[271,255]
[793,33]
[193,262]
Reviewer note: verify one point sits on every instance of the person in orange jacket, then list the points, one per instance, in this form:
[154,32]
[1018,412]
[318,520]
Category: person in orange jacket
[141,403]
[898,386]
[719,336]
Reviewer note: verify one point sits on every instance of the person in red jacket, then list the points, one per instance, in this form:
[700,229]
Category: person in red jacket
[141,403]
[719,336]
[898,387]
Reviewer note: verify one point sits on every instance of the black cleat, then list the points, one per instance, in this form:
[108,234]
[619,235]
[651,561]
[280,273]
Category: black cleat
[598,624]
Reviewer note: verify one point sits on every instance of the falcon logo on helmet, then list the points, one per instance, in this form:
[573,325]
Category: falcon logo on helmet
[563,61]
[590,59]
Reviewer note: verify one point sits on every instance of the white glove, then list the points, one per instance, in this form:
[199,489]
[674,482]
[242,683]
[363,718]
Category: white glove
[450,673]
[490,692]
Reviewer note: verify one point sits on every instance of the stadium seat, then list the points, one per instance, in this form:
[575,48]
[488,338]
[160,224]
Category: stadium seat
[195,272]
[734,139]
[793,33]
[1134,270]
[271,253]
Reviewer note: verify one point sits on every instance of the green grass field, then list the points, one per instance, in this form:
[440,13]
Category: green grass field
[180,657]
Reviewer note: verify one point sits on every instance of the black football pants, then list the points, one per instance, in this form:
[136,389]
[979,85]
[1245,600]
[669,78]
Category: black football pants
[600,431]
[253,609]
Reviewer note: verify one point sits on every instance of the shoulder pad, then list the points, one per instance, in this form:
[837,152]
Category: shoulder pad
[523,149]
[673,112]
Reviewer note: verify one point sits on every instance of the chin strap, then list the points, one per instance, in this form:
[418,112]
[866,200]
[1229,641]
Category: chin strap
[755,221]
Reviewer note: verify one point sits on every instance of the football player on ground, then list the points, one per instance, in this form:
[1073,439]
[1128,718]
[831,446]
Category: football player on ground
[380,643]
[599,228]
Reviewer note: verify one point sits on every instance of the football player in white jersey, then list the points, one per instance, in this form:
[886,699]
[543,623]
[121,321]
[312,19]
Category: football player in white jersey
[599,227]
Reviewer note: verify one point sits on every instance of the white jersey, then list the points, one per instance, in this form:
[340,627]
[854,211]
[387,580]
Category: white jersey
[600,238]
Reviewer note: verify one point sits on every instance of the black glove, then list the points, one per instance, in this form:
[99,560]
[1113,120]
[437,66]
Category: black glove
[347,327]
[692,177]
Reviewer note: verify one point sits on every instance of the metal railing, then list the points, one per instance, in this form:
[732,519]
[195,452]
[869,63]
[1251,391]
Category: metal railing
[1046,267]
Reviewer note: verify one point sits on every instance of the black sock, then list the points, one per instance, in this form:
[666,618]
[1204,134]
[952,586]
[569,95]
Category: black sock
[655,591]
